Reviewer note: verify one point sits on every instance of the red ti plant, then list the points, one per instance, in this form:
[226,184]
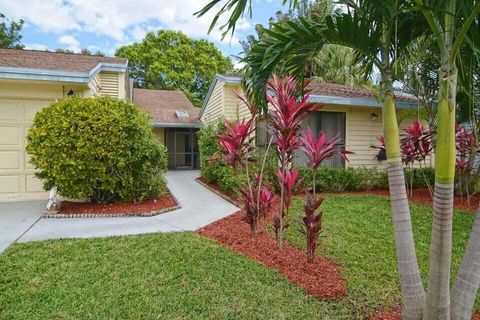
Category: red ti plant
[237,147]
[316,150]
[286,116]
[466,154]
[256,201]
[416,146]
[312,223]
[290,182]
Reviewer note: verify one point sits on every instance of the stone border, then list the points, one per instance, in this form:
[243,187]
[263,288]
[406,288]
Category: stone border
[57,215]
[218,193]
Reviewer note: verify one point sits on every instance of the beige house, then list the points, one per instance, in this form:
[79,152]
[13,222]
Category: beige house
[30,80]
[354,113]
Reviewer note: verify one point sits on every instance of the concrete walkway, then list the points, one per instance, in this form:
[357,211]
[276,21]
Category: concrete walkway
[199,205]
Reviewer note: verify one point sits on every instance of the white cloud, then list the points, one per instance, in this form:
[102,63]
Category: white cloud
[123,20]
[36,46]
[70,43]
[237,64]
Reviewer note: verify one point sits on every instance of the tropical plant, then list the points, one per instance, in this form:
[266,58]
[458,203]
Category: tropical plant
[316,150]
[237,146]
[312,223]
[285,121]
[380,32]
[97,148]
[467,153]
[416,146]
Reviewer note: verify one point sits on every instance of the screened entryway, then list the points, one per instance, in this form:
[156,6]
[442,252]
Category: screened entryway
[332,123]
[182,148]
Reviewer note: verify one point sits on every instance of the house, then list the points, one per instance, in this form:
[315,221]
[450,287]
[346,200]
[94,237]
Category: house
[354,113]
[31,80]
[175,122]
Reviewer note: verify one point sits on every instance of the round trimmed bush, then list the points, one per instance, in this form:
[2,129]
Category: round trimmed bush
[97,148]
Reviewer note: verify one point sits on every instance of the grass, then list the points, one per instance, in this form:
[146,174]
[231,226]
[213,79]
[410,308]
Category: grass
[358,235]
[185,276]
[158,276]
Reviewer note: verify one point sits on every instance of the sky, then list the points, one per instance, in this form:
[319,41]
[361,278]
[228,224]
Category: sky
[108,24]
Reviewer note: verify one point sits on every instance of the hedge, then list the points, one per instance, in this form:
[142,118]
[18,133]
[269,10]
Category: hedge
[327,179]
[102,149]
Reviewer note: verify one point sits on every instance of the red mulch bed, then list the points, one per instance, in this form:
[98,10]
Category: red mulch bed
[396,315]
[162,202]
[423,196]
[320,278]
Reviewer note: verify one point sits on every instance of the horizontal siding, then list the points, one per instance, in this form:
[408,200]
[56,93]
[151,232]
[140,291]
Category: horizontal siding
[362,133]
[215,105]
[109,84]
[231,102]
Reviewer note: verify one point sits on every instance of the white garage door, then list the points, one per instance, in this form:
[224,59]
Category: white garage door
[17,180]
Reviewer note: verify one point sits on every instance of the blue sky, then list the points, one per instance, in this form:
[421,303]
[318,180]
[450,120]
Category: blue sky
[107,24]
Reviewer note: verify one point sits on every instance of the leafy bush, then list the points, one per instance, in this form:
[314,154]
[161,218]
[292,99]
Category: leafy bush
[327,179]
[224,175]
[97,148]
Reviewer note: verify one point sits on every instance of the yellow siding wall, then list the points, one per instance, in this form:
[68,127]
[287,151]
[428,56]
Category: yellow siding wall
[214,110]
[160,134]
[361,131]
[110,84]
[232,102]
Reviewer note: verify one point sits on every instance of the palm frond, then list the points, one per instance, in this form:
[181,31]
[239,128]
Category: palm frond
[284,49]
[236,8]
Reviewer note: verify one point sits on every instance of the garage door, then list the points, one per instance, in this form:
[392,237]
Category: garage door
[17,180]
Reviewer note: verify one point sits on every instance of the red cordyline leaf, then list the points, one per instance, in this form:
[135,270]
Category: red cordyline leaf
[257,202]
[287,113]
[416,145]
[381,143]
[317,150]
[236,141]
[290,182]
[465,141]
[462,164]
[312,223]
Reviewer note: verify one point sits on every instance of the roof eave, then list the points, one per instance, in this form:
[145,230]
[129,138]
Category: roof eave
[359,102]
[176,125]
[16,73]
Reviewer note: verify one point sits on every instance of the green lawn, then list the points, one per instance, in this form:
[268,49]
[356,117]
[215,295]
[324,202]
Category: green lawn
[358,235]
[185,276]
[159,276]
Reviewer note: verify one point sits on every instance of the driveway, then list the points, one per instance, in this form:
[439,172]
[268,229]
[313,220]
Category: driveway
[16,218]
[199,207]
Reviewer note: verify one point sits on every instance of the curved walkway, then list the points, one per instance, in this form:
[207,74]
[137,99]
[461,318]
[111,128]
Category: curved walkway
[199,207]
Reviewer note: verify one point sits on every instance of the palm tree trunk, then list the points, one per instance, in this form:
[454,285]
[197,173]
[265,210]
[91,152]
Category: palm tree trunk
[413,294]
[438,293]
[467,283]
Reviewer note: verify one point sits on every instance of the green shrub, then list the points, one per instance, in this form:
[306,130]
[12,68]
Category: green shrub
[97,148]
[327,179]
[223,175]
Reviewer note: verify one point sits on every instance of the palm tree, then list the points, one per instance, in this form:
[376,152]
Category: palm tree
[334,64]
[450,22]
[380,33]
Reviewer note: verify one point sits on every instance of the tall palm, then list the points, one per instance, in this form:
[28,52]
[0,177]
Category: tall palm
[451,22]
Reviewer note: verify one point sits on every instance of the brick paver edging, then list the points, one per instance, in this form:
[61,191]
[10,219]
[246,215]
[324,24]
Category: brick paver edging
[53,214]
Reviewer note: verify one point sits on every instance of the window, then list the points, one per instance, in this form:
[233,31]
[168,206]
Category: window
[181,114]
[331,123]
